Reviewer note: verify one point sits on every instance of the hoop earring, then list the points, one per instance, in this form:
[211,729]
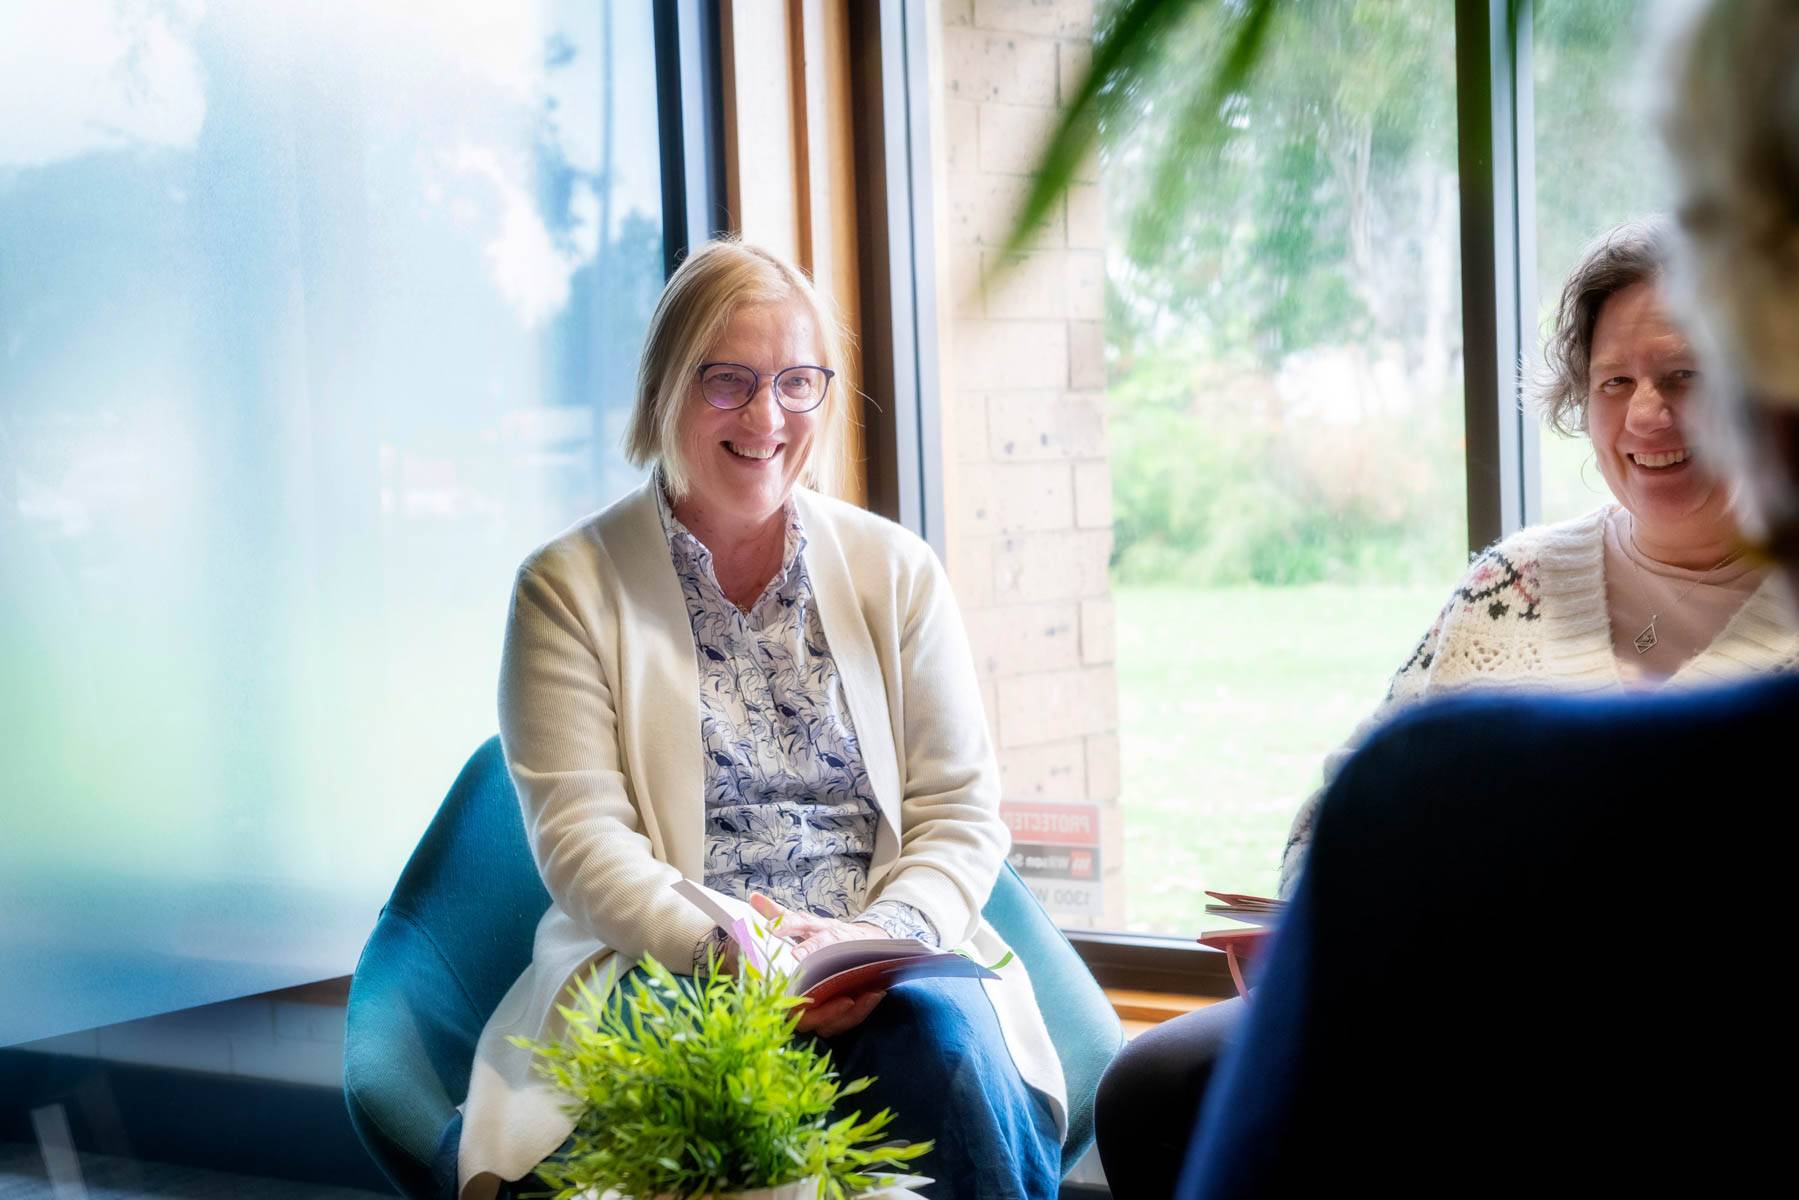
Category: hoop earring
[1591,460]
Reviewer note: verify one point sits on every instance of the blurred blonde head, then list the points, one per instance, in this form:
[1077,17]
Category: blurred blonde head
[1731,119]
[714,281]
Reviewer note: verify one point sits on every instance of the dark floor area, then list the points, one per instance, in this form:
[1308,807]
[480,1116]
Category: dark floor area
[25,1176]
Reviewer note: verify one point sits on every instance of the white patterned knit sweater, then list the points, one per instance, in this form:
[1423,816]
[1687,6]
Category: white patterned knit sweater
[1531,612]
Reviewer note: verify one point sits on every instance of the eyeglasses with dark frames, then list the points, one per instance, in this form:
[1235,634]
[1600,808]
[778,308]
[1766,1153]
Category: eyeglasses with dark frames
[728,385]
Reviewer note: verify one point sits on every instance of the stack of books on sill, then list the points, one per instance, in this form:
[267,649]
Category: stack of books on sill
[1250,919]
[1247,917]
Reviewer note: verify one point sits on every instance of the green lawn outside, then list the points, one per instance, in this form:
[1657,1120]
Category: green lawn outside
[1228,700]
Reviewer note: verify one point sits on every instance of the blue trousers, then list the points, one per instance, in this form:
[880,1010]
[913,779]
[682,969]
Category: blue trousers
[940,1063]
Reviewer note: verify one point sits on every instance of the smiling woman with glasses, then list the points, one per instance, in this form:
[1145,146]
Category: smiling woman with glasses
[732,678]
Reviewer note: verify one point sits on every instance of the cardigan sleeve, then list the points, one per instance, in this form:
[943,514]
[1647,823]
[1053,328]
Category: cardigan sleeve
[1409,684]
[559,729]
[952,838]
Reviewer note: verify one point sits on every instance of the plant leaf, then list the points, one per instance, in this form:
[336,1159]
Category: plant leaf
[1126,55]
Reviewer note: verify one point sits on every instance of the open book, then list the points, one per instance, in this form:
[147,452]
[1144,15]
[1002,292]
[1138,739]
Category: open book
[840,969]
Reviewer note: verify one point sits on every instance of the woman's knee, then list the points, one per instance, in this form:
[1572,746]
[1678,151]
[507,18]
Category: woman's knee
[939,1043]
[1169,1064]
[934,1017]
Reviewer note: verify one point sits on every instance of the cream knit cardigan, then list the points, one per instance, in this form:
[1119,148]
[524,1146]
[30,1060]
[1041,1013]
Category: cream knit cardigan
[600,720]
[1531,612]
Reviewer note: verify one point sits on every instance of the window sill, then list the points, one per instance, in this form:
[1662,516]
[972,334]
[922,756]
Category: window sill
[1140,1010]
[1141,962]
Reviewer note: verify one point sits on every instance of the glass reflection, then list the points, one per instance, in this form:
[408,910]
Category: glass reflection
[314,318]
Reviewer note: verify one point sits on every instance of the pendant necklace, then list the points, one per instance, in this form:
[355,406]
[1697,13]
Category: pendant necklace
[1646,640]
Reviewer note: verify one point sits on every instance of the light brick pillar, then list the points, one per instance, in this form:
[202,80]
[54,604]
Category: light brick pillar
[1028,488]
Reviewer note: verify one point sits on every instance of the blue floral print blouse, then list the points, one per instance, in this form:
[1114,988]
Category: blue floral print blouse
[790,812]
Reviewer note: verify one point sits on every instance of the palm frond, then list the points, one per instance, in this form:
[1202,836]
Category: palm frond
[1203,123]
[1127,58]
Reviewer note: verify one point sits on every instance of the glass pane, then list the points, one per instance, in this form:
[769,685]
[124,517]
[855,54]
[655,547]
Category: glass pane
[314,318]
[1285,404]
[1598,163]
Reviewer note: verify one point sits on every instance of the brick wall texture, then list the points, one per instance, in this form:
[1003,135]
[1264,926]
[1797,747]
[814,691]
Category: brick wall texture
[1027,481]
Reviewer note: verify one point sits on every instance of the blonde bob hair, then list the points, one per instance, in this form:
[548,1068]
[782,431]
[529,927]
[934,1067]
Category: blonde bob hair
[716,280]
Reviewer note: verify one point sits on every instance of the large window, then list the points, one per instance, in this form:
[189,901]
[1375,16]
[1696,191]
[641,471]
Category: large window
[1283,339]
[314,318]
[1598,162]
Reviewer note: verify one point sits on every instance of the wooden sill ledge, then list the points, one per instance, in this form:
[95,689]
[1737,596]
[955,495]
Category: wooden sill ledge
[1140,1010]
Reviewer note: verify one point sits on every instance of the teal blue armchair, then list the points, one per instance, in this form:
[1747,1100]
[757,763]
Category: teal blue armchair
[458,929]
